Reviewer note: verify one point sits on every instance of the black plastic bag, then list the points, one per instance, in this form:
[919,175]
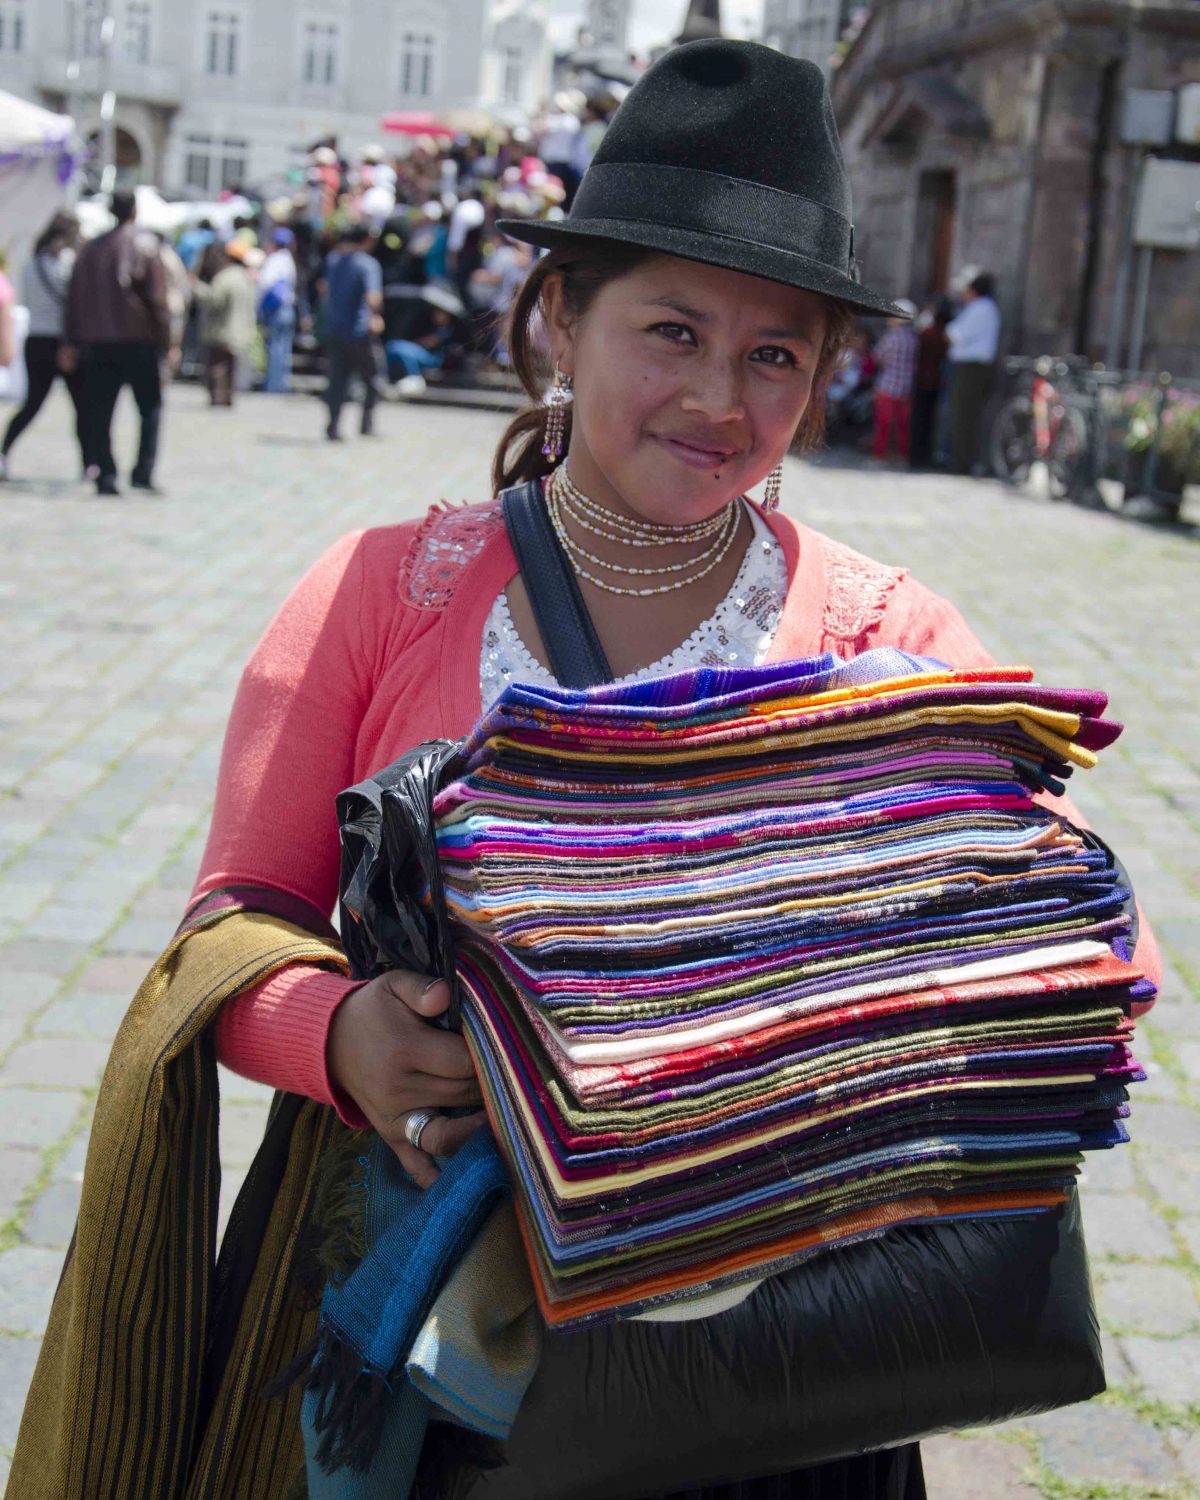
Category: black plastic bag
[926,1329]
[389,856]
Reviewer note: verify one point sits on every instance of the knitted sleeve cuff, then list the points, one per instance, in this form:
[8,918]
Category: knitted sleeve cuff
[278,1033]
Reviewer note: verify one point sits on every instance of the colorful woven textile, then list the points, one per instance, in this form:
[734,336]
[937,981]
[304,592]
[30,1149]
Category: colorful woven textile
[757,962]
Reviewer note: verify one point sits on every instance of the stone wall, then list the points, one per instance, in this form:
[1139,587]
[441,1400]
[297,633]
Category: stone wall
[1028,203]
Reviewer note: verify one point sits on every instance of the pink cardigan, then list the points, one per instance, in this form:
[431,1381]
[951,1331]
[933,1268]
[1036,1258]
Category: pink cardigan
[377,649]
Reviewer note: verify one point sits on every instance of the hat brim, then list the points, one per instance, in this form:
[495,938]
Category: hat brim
[752,258]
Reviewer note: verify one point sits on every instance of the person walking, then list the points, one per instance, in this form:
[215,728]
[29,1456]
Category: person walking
[227,322]
[44,285]
[352,318]
[277,309]
[974,342]
[118,323]
[928,380]
[896,359]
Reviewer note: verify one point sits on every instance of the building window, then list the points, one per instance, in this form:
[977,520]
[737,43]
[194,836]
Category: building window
[418,52]
[321,46]
[510,75]
[223,43]
[215,163]
[89,23]
[12,25]
[137,31]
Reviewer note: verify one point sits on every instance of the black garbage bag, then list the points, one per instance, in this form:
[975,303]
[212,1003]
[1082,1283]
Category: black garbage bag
[922,1329]
[389,858]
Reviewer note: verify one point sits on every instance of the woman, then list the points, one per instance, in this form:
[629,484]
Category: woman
[44,292]
[227,319]
[695,302]
[277,308]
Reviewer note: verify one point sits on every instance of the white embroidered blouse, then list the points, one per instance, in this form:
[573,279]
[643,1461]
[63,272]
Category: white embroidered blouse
[738,633]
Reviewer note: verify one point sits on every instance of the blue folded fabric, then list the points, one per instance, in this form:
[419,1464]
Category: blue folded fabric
[363,1421]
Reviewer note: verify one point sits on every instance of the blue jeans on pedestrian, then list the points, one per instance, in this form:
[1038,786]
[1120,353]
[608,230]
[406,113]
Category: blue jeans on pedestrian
[280,331]
[411,358]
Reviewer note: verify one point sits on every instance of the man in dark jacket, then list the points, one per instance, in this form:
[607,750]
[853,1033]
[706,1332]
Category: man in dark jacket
[118,323]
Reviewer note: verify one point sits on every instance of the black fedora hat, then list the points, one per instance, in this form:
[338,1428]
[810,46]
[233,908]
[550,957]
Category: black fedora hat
[724,152]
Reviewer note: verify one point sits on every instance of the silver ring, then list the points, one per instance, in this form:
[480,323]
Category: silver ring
[415,1125]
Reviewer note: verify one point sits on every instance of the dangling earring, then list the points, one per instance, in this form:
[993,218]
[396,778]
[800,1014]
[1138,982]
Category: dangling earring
[774,485]
[556,415]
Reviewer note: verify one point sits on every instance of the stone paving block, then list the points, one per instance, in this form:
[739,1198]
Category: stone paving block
[1122,1224]
[979,1467]
[1107,1172]
[24,993]
[145,935]
[1188,1228]
[20,898]
[52,1214]
[1117,1370]
[50,956]
[1188,1055]
[1176,1125]
[1146,1298]
[1174,1174]
[17,1359]
[85,924]
[1187,1446]
[71,1163]
[28,1277]
[1159,1086]
[121,973]
[19,1167]
[36,1117]
[1166,1369]
[62,1062]
[86,1014]
[1099,1444]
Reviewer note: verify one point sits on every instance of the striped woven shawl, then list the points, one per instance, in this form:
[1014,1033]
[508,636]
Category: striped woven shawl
[149,1385]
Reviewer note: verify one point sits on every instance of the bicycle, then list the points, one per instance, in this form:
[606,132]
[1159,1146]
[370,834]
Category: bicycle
[1049,425]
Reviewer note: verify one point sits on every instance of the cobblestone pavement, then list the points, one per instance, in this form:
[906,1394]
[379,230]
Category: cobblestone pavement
[124,626]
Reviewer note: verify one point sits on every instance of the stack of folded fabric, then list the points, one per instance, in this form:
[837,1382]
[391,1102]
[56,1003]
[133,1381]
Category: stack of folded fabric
[759,961]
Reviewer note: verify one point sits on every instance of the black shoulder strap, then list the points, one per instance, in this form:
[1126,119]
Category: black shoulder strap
[577,658]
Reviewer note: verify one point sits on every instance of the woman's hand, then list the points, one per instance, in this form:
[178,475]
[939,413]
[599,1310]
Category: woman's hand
[384,1053]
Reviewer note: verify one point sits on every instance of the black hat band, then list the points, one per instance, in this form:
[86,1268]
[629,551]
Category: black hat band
[689,198]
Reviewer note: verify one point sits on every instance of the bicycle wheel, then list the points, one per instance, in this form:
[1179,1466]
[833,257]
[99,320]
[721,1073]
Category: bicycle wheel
[1013,441]
[1067,452]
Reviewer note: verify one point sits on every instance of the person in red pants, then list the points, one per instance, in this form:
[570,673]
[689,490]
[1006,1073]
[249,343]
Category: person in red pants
[896,357]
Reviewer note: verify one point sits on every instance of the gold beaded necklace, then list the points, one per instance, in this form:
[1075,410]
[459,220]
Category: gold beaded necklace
[562,497]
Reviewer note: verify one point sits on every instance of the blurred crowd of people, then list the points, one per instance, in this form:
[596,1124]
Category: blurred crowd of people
[383,265]
[918,392]
[387,266]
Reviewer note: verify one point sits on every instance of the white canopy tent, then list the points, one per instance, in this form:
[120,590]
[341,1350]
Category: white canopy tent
[38,157]
[39,153]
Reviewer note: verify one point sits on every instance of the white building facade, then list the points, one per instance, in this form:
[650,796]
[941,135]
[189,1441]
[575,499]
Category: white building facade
[214,94]
[807,28]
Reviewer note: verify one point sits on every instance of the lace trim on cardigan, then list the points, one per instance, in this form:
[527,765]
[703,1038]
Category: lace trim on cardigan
[856,593]
[450,537]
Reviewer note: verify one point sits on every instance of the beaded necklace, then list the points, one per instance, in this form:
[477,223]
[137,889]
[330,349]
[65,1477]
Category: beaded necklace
[563,498]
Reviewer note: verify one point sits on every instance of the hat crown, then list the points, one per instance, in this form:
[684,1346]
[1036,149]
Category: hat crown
[725,153]
[739,109]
